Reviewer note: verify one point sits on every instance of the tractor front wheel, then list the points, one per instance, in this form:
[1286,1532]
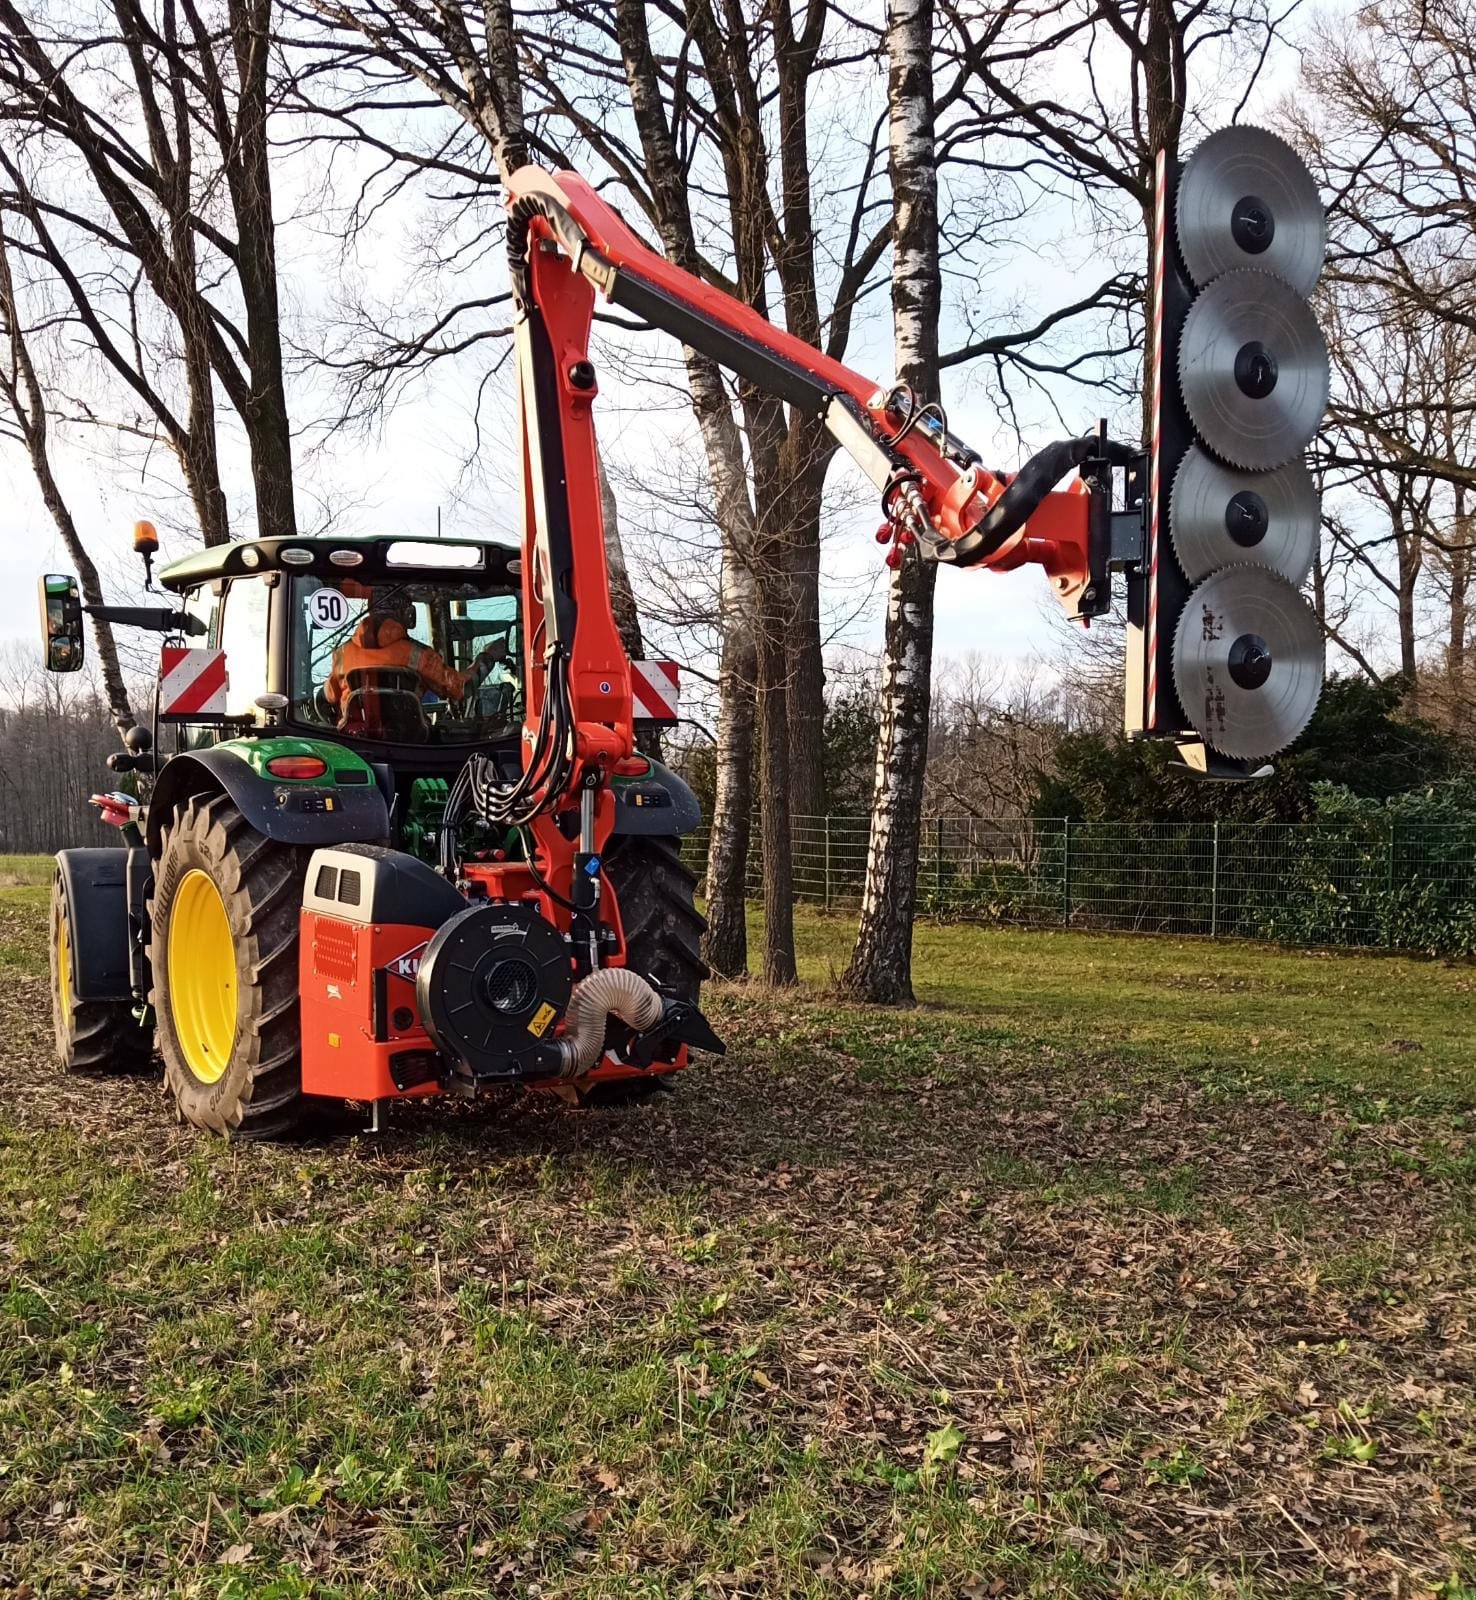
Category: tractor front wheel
[91,1035]
[225,919]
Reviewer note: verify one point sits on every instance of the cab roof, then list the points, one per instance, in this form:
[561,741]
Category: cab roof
[370,558]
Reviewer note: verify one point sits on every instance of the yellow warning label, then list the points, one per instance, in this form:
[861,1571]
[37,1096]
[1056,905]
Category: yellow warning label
[541,1019]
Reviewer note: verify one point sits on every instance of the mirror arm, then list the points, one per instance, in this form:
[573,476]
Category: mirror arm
[156,619]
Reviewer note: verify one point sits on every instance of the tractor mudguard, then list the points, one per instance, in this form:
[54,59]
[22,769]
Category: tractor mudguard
[95,882]
[291,811]
[655,803]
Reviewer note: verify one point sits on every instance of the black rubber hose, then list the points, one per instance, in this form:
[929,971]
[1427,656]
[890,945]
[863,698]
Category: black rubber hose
[1023,495]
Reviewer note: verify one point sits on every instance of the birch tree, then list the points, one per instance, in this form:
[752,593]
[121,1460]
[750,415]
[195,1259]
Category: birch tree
[881,963]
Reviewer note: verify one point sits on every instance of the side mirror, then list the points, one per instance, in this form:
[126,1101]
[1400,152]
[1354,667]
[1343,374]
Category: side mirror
[61,623]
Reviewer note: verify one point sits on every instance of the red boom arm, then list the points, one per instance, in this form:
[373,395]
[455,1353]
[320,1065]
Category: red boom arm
[933,488]
[564,243]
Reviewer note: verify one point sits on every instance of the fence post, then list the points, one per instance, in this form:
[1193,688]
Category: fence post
[1389,879]
[1065,872]
[1215,881]
[938,858]
[827,861]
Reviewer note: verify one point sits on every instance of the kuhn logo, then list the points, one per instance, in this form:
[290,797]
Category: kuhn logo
[408,964]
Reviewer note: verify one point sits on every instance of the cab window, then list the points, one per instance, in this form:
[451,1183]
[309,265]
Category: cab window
[243,637]
[440,662]
[204,605]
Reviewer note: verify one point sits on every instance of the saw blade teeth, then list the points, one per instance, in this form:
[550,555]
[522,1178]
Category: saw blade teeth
[1219,516]
[1248,662]
[1253,370]
[1246,199]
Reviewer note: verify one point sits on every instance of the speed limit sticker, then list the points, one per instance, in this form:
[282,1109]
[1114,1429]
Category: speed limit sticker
[327,608]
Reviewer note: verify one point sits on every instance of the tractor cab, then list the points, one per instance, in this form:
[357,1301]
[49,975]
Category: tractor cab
[408,651]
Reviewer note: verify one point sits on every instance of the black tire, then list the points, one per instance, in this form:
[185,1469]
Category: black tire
[656,892]
[258,1094]
[657,895]
[91,1035]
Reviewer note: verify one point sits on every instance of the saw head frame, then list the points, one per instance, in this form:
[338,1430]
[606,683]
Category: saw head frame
[1239,379]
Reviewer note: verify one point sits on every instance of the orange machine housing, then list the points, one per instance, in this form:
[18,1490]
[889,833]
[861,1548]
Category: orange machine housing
[367,915]
[362,1037]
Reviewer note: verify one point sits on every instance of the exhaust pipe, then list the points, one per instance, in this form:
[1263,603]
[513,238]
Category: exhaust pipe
[609,990]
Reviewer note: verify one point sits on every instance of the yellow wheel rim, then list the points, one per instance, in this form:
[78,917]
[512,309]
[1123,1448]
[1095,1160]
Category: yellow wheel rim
[64,973]
[202,976]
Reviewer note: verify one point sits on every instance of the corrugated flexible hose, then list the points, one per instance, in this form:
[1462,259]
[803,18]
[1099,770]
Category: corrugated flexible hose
[610,990]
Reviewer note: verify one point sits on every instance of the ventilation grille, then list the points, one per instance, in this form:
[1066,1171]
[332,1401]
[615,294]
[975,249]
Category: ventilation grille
[334,953]
[341,884]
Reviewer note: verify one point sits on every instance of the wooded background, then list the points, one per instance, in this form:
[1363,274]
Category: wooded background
[968,186]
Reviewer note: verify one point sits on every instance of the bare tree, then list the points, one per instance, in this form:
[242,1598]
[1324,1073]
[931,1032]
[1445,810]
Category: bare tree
[357,66]
[995,728]
[1136,60]
[702,109]
[55,733]
[179,200]
[23,419]
[881,963]
[1387,120]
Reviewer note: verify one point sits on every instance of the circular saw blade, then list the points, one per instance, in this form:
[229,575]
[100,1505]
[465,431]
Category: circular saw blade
[1245,199]
[1218,516]
[1248,662]
[1253,370]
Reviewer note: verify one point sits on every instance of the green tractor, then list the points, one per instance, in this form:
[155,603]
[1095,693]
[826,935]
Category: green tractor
[310,904]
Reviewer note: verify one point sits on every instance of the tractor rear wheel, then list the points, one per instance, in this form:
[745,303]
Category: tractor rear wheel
[91,1035]
[225,919]
[656,892]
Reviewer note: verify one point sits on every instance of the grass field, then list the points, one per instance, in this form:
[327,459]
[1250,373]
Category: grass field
[1120,1267]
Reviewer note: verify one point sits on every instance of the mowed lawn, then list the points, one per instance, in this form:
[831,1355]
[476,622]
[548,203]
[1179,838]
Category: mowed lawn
[1121,1267]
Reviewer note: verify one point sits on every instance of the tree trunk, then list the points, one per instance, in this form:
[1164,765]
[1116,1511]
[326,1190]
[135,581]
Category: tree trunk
[727,944]
[774,824]
[726,947]
[22,392]
[806,660]
[622,596]
[1460,591]
[92,593]
[881,964]
[1411,560]
[248,173]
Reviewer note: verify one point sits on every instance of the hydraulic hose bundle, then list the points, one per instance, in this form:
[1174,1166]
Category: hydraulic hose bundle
[1026,492]
[509,803]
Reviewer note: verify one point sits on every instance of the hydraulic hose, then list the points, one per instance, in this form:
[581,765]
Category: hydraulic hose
[1024,493]
[610,990]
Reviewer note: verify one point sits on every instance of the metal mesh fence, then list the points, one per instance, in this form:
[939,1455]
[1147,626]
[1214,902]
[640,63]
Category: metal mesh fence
[1369,883]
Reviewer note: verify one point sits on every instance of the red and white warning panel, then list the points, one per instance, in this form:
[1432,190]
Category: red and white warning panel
[192,683]
[656,689]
